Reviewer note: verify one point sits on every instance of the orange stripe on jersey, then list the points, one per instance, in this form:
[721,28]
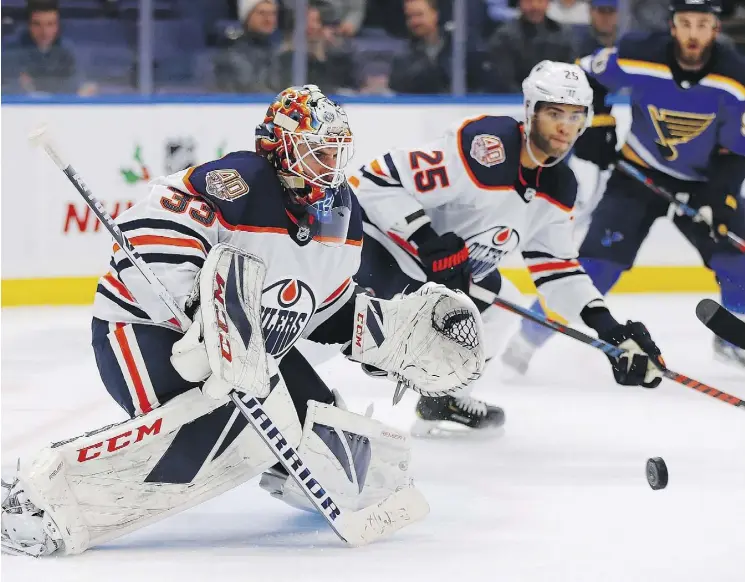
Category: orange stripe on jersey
[553,201]
[462,154]
[354,181]
[555,266]
[187,182]
[375,167]
[339,290]
[248,227]
[152,239]
[121,339]
[119,286]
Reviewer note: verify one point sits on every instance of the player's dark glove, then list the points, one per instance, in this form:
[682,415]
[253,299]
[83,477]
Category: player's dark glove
[445,260]
[718,215]
[598,145]
[637,367]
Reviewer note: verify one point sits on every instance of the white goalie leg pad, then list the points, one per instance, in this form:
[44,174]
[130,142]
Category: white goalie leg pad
[117,479]
[359,460]
[432,339]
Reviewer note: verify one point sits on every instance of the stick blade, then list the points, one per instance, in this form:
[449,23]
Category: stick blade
[722,322]
[382,519]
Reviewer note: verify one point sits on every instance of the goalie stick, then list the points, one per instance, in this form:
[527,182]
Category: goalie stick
[488,297]
[356,528]
[689,211]
[722,322]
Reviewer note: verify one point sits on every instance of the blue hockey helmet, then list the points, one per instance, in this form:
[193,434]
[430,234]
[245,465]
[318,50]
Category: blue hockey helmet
[706,6]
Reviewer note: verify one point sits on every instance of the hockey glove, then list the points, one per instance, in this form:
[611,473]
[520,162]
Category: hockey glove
[598,146]
[718,216]
[637,368]
[445,261]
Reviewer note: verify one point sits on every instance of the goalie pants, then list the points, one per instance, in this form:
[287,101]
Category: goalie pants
[134,363]
[623,218]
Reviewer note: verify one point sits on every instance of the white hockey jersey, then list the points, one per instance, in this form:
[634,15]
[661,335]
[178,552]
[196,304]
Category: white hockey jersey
[185,214]
[470,182]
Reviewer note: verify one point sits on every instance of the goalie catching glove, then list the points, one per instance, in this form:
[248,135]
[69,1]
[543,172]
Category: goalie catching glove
[432,340]
[224,344]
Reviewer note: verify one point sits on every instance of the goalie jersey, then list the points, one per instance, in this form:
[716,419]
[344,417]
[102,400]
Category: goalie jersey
[679,119]
[237,200]
[470,182]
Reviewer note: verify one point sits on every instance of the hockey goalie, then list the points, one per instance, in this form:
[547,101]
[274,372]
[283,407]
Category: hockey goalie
[259,248]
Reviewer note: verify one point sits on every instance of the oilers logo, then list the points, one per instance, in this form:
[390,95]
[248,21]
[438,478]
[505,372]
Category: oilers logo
[286,308]
[486,249]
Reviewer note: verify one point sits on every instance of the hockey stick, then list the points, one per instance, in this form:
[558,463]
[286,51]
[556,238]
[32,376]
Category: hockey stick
[353,527]
[488,297]
[722,322]
[690,212]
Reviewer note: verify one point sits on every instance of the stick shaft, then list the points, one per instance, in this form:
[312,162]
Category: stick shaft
[488,297]
[629,170]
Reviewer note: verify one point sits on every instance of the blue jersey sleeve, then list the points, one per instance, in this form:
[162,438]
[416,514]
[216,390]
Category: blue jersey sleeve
[603,67]
[732,128]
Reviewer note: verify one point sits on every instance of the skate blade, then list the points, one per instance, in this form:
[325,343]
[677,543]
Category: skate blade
[438,429]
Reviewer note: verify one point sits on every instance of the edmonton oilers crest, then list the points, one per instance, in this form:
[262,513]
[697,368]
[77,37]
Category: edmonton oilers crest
[487,248]
[286,308]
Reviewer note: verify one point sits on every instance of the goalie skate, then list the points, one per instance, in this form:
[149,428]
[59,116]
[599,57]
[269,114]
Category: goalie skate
[452,415]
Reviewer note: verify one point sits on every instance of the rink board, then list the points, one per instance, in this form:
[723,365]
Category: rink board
[117,147]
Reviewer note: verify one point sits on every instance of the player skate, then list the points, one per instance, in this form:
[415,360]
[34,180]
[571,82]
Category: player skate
[452,209]
[686,136]
[446,415]
[260,248]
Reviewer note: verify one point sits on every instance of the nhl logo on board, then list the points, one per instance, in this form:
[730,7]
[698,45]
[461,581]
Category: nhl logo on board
[487,150]
[225,184]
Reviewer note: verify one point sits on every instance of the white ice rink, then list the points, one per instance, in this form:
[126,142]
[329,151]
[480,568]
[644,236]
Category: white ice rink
[562,496]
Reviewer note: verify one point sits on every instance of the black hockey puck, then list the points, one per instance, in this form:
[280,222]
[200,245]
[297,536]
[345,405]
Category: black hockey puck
[657,473]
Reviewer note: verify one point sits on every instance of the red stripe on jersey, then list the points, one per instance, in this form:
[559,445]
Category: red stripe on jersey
[121,338]
[404,244]
[119,286]
[553,201]
[555,266]
[339,290]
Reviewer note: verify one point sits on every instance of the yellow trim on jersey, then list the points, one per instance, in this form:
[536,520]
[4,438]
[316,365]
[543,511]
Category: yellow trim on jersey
[603,120]
[725,83]
[645,68]
[641,279]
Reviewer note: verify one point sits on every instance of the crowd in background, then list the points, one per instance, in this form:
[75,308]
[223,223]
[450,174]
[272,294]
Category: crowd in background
[369,47]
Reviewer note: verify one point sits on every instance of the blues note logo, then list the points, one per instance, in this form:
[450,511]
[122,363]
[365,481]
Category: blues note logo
[677,127]
[611,237]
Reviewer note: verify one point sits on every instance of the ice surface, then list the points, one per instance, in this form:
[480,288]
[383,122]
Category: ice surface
[562,496]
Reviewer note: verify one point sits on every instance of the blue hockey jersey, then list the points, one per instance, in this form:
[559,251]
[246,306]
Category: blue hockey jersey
[679,119]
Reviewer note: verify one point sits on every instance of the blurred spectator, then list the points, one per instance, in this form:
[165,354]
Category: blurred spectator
[375,75]
[425,68]
[249,65]
[330,58]
[649,15]
[501,10]
[345,16]
[569,11]
[40,61]
[603,27]
[517,46]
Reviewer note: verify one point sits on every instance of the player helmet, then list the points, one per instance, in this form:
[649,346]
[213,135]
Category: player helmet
[554,82]
[306,137]
[707,6]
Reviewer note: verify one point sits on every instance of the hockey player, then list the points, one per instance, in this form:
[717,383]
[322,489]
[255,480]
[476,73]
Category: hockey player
[253,241]
[688,135]
[450,210]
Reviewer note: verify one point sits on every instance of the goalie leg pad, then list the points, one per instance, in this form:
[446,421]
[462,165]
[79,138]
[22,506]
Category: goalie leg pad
[359,460]
[117,479]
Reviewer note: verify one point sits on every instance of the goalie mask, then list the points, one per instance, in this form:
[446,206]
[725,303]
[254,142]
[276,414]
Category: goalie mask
[558,109]
[307,139]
